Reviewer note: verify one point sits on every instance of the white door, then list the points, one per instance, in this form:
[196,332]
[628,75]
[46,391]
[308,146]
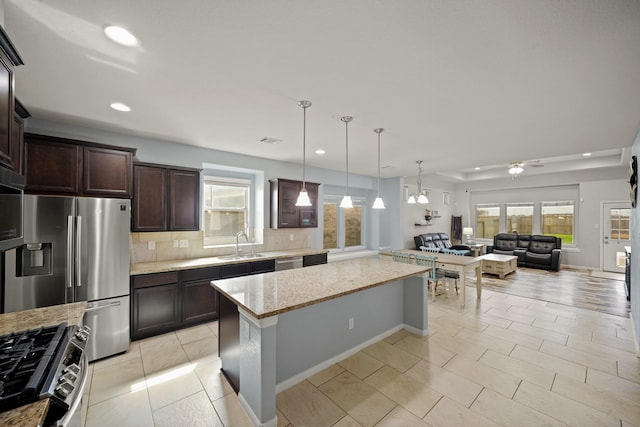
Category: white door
[617,220]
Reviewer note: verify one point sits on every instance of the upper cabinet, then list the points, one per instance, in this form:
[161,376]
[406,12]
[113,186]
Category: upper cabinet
[64,166]
[165,198]
[9,58]
[284,212]
[17,136]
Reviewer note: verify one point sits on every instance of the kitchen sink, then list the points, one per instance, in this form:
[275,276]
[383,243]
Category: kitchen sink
[241,256]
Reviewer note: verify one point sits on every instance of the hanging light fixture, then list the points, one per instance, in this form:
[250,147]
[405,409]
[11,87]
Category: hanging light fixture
[420,196]
[346,200]
[378,203]
[303,197]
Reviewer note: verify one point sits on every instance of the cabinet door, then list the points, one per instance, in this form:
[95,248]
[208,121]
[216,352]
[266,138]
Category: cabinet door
[52,167]
[184,200]
[316,259]
[200,302]
[149,199]
[155,310]
[107,172]
[17,143]
[264,266]
[288,213]
[6,109]
[309,214]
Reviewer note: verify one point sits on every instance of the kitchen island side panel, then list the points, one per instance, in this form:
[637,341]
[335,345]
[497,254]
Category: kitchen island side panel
[312,335]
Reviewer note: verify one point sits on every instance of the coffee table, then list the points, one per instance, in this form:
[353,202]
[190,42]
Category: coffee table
[499,264]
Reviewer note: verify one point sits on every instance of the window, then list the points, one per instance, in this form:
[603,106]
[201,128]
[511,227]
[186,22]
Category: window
[519,218]
[487,221]
[557,220]
[343,229]
[226,209]
[620,223]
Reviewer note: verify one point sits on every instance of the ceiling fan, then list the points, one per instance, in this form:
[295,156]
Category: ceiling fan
[516,168]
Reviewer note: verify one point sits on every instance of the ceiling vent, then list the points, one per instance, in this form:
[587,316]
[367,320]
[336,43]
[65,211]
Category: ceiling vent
[272,141]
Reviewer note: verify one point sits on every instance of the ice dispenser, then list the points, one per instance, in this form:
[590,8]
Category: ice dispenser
[33,259]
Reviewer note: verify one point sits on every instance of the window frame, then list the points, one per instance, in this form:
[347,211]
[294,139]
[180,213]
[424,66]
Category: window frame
[222,241]
[341,222]
[519,205]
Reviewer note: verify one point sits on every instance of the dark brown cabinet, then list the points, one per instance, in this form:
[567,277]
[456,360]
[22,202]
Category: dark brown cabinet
[200,300]
[155,304]
[315,259]
[70,167]
[17,136]
[165,198]
[284,212]
[9,58]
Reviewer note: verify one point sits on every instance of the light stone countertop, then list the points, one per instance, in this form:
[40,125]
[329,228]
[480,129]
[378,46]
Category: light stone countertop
[187,264]
[33,414]
[269,294]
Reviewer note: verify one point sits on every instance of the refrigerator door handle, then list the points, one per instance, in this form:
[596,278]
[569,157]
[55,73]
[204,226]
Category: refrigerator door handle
[90,308]
[68,274]
[79,251]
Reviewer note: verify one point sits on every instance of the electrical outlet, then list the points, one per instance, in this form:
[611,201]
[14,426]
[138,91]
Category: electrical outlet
[176,243]
[184,243]
[351,323]
[291,237]
[151,245]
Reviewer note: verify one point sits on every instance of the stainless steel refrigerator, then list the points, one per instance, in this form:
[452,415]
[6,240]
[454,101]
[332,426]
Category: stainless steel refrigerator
[75,249]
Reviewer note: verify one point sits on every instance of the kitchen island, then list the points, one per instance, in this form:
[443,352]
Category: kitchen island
[33,414]
[276,329]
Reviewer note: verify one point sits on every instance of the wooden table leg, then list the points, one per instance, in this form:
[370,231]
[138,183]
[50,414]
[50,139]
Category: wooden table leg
[479,281]
[462,284]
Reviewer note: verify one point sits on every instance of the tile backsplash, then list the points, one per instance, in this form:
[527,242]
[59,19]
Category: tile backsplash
[160,246]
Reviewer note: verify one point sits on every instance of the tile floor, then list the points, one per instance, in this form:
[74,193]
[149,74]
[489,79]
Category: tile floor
[503,361]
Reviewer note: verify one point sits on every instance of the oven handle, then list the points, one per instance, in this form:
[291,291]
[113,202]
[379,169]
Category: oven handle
[79,391]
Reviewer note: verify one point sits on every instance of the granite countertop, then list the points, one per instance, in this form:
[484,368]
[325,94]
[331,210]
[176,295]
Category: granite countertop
[33,414]
[269,294]
[186,264]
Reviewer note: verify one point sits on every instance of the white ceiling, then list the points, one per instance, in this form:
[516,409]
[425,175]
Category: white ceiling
[458,84]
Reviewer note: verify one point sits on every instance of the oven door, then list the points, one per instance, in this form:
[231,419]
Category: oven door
[73,417]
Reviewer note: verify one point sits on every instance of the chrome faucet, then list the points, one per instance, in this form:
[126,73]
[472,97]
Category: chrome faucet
[238,234]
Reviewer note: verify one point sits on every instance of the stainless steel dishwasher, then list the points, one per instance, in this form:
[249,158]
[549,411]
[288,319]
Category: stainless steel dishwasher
[288,263]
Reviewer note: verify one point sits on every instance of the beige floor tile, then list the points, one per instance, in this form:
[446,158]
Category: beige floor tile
[408,392]
[446,382]
[304,405]
[391,355]
[171,385]
[515,337]
[193,411]
[519,369]
[598,398]
[442,326]
[552,363]
[214,327]
[230,411]
[214,383]
[491,320]
[426,350]
[282,420]
[364,403]
[511,315]
[543,307]
[469,323]
[451,413]
[130,409]
[457,345]
[162,355]
[614,342]
[579,357]
[485,375]
[562,408]
[169,338]
[624,389]
[536,314]
[544,334]
[347,421]
[116,380]
[325,375]
[202,350]
[508,412]
[397,336]
[486,341]
[572,331]
[629,371]
[401,417]
[196,333]
[361,364]
[132,353]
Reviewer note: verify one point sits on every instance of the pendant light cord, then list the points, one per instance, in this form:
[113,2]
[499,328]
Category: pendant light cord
[304,146]
[346,129]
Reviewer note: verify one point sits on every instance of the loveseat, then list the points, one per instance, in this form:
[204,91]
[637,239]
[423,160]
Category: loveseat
[535,251]
[438,241]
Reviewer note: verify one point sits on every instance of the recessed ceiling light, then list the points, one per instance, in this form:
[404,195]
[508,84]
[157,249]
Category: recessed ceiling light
[119,106]
[321,151]
[120,35]
[586,154]
[477,169]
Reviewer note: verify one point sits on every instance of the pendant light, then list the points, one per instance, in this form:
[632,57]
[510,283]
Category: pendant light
[303,197]
[421,196]
[378,203]
[346,200]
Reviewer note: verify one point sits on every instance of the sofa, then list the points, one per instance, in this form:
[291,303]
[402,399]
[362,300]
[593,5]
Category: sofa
[534,251]
[439,241]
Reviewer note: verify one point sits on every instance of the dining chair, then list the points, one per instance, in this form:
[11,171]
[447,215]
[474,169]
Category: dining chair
[401,257]
[436,275]
[450,274]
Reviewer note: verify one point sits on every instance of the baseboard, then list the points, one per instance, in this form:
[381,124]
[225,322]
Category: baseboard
[273,422]
[635,336]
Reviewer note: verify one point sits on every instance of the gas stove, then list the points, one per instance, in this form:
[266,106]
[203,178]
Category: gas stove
[47,362]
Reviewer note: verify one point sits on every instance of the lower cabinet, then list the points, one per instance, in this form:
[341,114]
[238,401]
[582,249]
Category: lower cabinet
[316,259]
